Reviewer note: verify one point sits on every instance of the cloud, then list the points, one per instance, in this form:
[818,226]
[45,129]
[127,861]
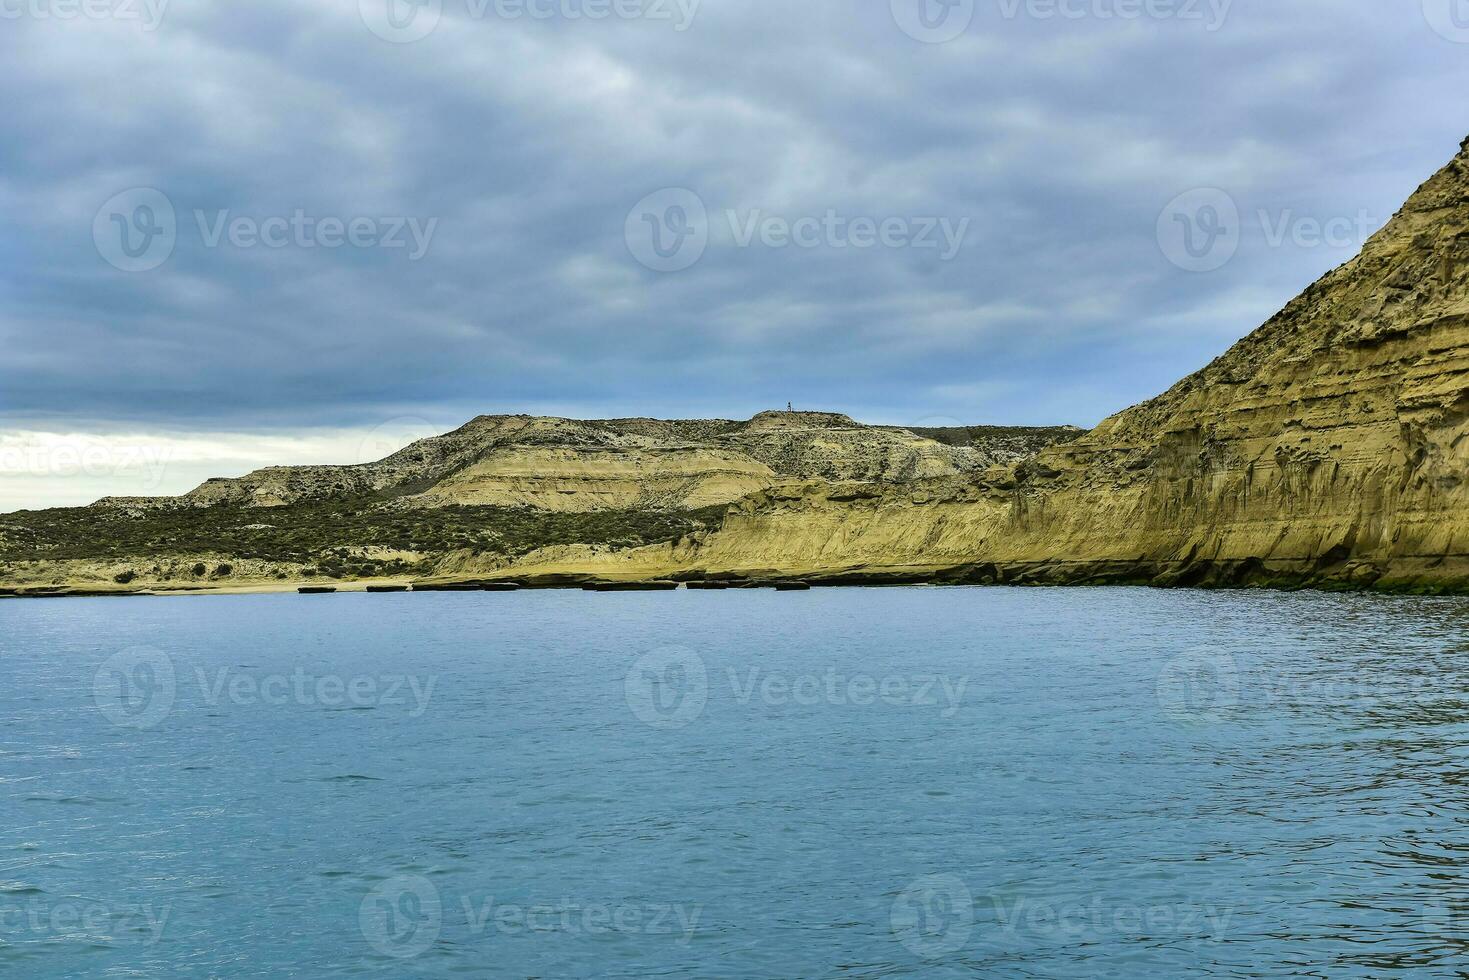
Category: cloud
[529,139]
[41,468]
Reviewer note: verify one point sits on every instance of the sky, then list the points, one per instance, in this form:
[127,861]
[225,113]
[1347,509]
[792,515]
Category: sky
[295,231]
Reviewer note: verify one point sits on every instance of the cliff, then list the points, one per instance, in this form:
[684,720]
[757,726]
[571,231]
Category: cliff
[494,494]
[1327,448]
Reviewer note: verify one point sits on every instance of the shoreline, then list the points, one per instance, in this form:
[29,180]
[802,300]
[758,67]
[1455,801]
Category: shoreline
[1249,574]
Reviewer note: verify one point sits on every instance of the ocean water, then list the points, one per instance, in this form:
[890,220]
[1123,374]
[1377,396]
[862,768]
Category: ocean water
[855,783]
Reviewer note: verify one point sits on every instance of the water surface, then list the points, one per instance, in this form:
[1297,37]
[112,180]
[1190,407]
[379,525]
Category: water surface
[857,783]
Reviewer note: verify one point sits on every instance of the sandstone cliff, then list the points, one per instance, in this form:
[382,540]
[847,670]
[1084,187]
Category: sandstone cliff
[495,494]
[1327,448]
[574,465]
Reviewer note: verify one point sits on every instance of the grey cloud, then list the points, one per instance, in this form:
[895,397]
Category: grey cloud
[530,140]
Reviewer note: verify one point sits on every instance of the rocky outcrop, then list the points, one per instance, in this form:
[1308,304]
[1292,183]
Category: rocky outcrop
[1327,448]
[579,466]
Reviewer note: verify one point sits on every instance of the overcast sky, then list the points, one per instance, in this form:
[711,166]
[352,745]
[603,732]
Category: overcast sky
[307,230]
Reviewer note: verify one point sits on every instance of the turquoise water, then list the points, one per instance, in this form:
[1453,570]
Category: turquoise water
[860,783]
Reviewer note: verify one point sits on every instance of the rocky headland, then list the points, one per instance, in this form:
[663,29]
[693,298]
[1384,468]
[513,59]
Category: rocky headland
[1326,449]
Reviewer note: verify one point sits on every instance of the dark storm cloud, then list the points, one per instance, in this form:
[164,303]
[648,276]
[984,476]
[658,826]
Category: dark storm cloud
[1058,132]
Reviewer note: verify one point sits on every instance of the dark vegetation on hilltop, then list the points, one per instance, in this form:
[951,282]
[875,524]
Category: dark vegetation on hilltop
[1022,438]
[327,532]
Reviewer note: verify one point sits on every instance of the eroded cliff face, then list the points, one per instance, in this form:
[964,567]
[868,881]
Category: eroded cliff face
[479,500]
[1328,447]
[572,465]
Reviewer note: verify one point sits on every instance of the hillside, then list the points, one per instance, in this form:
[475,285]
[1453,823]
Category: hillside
[1327,448]
[488,493]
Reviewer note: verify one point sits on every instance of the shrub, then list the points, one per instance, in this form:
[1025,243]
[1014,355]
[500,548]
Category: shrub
[199,568]
[225,568]
[123,578]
